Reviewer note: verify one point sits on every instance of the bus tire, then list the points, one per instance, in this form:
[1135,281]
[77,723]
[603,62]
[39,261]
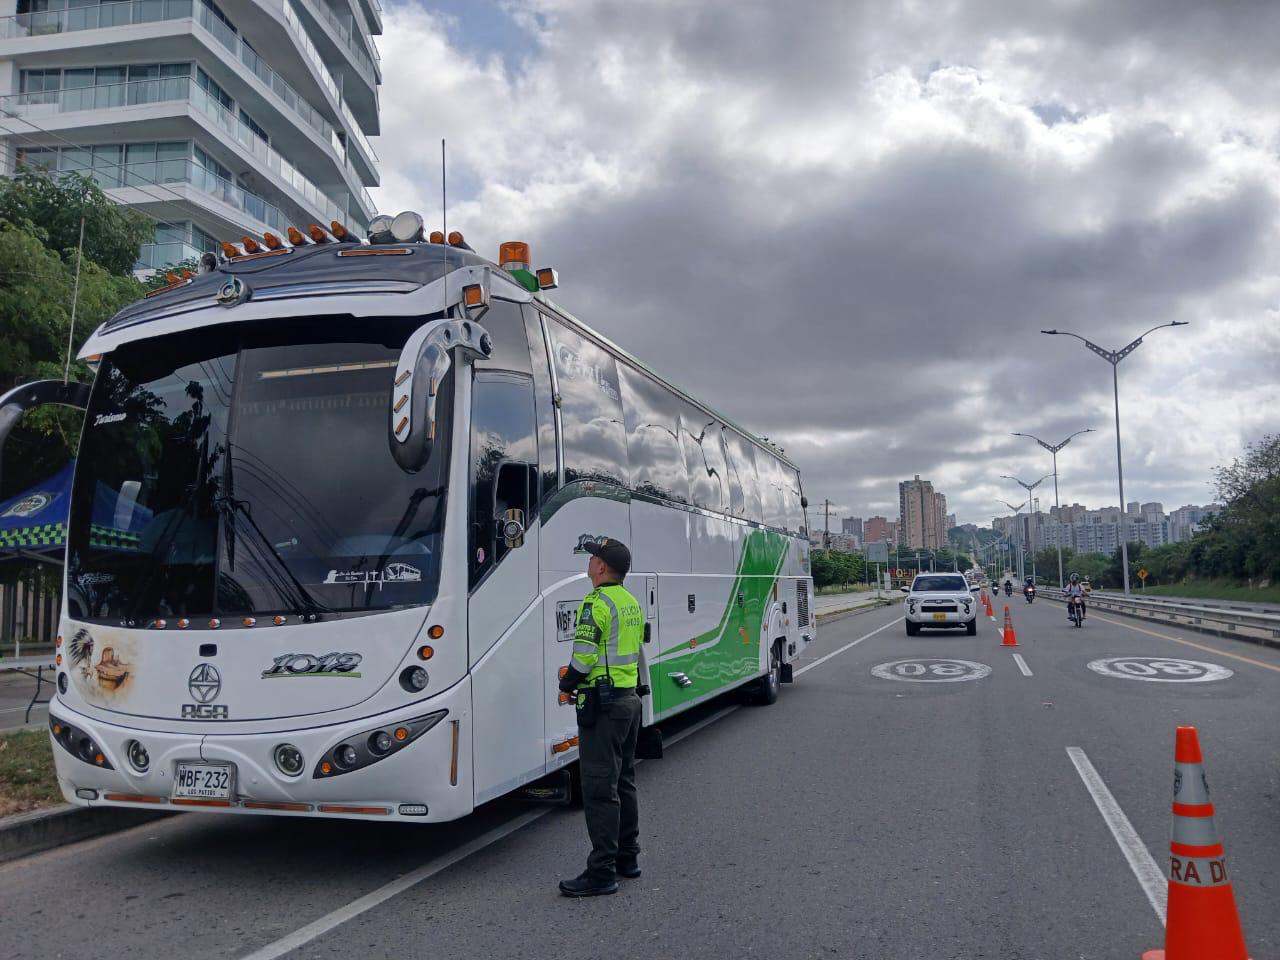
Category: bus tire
[767,687]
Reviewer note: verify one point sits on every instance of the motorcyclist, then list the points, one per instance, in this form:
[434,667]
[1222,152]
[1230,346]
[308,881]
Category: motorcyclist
[1029,588]
[1008,587]
[1075,589]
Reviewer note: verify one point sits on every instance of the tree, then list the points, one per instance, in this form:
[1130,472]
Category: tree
[112,233]
[37,272]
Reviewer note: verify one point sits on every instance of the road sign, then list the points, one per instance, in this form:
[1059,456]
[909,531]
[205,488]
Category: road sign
[877,553]
[930,670]
[1142,574]
[1159,669]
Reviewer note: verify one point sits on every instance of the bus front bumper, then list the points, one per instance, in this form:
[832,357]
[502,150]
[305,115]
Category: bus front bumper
[425,778]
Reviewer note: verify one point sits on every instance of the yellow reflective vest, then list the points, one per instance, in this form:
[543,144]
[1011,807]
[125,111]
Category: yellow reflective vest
[610,631]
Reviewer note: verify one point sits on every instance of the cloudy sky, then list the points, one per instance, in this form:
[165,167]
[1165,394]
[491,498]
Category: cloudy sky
[844,223]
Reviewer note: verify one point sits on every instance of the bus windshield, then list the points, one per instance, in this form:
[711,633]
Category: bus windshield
[244,470]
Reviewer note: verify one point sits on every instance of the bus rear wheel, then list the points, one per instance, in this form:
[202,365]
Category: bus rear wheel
[767,687]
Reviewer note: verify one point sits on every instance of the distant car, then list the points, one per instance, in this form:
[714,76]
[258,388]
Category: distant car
[938,600]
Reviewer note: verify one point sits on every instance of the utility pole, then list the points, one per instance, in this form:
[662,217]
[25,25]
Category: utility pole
[826,524]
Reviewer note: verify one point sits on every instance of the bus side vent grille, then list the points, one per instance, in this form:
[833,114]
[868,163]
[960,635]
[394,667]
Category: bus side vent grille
[802,604]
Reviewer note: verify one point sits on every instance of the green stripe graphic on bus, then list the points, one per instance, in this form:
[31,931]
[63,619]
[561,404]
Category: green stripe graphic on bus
[730,652]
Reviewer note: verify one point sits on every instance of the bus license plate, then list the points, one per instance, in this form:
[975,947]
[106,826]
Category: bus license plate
[939,616]
[203,781]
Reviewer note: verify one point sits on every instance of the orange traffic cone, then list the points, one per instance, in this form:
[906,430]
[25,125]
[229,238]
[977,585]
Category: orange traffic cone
[991,614]
[1202,920]
[1010,638]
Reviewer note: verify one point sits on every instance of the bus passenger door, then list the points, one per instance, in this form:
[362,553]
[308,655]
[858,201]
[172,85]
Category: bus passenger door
[505,624]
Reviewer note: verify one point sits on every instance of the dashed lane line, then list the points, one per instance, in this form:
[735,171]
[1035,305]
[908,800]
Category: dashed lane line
[1022,665]
[1150,877]
[350,911]
[1190,643]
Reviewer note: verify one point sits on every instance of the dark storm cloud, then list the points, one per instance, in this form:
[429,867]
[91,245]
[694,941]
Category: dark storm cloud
[844,224]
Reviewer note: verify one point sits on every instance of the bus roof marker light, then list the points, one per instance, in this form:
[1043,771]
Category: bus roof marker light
[318,234]
[251,245]
[341,233]
[513,255]
[407,227]
[437,236]
[296,237]
[230,250]
[548,278]
[457,240]
[279,620]
[272,241]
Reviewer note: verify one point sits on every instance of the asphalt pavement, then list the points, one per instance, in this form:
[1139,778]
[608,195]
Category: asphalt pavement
[15,694]
[882,808]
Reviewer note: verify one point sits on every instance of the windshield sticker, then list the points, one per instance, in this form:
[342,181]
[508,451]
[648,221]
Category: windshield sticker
[308,665]
[32,503]
[105,418]
[394,573]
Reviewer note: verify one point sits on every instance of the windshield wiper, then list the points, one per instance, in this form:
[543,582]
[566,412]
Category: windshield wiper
[282,578]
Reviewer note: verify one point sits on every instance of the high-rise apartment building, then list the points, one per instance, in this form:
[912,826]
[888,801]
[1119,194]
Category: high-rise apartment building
[878,530]
[921,514]
[852,526]
[216,118]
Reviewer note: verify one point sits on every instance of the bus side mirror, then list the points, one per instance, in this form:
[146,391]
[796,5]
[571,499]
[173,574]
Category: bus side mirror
[420,371]
[512,484]
[38,393]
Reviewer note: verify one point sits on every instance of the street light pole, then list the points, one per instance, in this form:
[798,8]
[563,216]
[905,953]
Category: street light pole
[1114,357]
[1053,448]
[1028,487]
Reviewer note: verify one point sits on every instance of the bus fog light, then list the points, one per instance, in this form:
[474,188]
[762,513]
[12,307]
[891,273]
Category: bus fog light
[288,759]
[139,759]
[413,809]
[380,741]
[87,793]
[62,683]
[345,755]
[414,679]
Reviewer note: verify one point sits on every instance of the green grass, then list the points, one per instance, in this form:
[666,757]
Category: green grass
[1211,590]
[27,779]
[841,588]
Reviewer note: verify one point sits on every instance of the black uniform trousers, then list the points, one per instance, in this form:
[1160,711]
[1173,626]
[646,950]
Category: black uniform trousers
[607,757]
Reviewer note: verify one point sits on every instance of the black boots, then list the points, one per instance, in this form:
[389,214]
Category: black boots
[585,885]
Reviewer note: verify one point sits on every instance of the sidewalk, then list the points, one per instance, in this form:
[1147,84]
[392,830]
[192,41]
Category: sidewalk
[832,603]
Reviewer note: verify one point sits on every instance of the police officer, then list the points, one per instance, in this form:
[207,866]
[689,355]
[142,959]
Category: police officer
[603,675]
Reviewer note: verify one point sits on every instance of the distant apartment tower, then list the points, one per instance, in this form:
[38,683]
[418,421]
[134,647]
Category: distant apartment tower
[852,526]
[878,530]
[921,514]
[216,119]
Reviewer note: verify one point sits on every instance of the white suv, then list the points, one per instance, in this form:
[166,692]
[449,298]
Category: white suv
[940,600]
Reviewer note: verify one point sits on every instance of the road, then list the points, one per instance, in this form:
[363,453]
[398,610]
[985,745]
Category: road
[15,694]
[858,817]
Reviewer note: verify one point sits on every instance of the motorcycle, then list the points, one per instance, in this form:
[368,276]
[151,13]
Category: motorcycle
[1076,610]
[1029,593]
[1008,589]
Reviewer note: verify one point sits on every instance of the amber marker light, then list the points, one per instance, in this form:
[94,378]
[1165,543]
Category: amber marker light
[548,278]
[58,660]
[456,239]
[57,642]
[326,768]
[339,231]
[513,255]
[230,250]
[249,621]
[401,734]
[426,652]
[435,632]
[57,729]
[99,759]
[278,620]
[436,237]
[272,241]
[318,234]
[250,245]
[183,623]
[296,237]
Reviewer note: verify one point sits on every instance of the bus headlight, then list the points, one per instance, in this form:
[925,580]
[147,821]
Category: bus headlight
[364,749]
[139,759]
[288,759]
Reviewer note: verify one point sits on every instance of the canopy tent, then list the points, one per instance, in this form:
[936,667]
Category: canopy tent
[34,523]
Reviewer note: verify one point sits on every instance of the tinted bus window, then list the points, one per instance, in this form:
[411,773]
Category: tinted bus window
[503,458]
[742,469]
[704,459]
[771,498]
[791,499]
[505,324]
[652,414]
[595,440]
[543,404]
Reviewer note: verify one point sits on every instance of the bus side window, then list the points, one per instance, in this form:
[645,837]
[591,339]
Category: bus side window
[652,414]
[594,436]
[771,494]
[737,501]
[742,463]
[503,464]
[704,460]
[544,404]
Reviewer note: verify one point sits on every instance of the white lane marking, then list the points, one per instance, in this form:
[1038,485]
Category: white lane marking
[1022,664]
[1150,877]
[848,646]
[1160,669]
[319,927]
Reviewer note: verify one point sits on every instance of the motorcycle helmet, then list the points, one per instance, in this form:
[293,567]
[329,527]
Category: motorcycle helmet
[1075,578]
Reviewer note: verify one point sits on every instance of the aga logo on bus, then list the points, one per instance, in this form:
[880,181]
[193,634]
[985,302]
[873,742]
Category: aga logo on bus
[204,683]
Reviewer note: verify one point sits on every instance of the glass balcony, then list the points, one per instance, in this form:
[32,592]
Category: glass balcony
[158,256]
[344,26]
[182,89]
[92,17]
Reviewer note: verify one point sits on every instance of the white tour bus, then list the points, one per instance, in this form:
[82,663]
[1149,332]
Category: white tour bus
[324,551]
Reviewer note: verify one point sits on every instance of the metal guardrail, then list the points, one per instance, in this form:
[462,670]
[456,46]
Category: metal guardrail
[1224,621]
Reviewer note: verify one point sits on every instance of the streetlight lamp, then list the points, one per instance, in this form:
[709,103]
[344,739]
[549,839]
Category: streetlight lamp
[1053,448]
[1028,487]
[1114,357]
[1016,510]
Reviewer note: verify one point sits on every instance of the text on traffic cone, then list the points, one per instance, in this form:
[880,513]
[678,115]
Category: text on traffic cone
[1202,920]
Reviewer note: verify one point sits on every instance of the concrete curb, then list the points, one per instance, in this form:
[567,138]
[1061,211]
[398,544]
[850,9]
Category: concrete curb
[831,616]
[26,833]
